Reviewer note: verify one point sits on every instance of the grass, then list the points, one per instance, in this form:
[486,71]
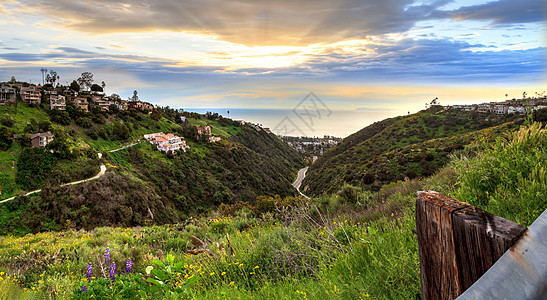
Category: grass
[21,115]
[351,245]
[216,128]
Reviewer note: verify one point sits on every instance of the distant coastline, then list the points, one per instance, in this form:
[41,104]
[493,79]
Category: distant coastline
[339,123]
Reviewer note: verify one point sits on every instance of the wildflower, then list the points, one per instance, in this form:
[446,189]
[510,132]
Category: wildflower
[128,266]
[223,273]
[107,256]
[256,267]
[84,288]
[113,271]
[89,270]
[212,273]
[232,283]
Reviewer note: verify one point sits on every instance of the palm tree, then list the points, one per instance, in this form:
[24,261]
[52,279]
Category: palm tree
[44,71]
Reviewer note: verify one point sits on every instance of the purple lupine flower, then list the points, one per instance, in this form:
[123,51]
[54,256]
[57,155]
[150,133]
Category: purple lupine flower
[113,271]
[128,266]
[107,256]
[84,288]
[89,270]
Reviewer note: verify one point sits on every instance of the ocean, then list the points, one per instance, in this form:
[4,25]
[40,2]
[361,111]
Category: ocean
[305,121]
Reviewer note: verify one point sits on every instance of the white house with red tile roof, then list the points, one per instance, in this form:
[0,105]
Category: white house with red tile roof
[166,142]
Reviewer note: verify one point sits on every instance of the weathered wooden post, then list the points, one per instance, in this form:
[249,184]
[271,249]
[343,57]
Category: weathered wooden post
[458,243]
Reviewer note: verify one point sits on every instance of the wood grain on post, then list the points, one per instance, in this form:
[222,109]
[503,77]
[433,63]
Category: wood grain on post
[457,243]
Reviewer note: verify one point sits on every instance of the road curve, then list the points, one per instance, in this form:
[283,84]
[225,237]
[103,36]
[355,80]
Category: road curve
[299,179]
[101,173]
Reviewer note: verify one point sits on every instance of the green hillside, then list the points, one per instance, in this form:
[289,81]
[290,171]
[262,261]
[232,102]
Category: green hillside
[410,146]
[140,180]
[351,245]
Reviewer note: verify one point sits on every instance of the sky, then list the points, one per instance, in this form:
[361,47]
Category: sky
[384,58]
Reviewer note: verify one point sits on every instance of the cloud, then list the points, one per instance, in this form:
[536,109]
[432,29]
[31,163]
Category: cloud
[502,12]
[249,22]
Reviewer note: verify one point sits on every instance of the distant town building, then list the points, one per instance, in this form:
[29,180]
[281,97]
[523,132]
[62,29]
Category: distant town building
[204,130]
[7,94]
[484,108]
[214,139]
[501,109]
[41,139]
[31,94]
[516,110]
[81,103]
[57,102]
[122,104]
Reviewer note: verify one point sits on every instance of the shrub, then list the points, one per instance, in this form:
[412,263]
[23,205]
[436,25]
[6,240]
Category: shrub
[349,193]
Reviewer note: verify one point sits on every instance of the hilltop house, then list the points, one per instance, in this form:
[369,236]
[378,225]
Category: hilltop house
[204,130]
[41,139]
[57,102]
[31,95]
[7,94]
[140,105]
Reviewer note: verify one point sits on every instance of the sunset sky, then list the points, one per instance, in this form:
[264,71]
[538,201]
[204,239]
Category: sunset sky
[389,55]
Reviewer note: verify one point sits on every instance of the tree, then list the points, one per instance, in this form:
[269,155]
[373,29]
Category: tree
[156,116]
[52,77]
[12,80]
[85,80]
[44,71]
[135,97]
[96,88]
[75,86]
[103,85]
[5,138]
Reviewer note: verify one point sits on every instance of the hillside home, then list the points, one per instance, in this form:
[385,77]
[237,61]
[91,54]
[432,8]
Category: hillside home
[81,103]
[121,104]
[70,94]
[214,139]
[31,95]
[169,142]
[57,102]
[204,130]
[516,110]
[41,139]
[458,106]
[469,108]
[100,102]
[484,108]
[140,105]
[7,94]
[501,109]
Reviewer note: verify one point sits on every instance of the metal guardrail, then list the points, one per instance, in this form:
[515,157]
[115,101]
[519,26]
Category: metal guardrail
[521,273]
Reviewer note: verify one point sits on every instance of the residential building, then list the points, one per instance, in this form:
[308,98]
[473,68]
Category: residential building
[81,103]
[167,142]
[57,102]
[41,139]
[484,108]
[213,139]
[470,107]
[516,110]
[140,105]
[501,109]
[31,95]
[121,104]
[7,94]
[204,130]
[458,106]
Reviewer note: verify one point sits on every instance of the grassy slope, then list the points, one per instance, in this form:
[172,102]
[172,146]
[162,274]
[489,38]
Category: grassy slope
[409,146]
[282,255]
